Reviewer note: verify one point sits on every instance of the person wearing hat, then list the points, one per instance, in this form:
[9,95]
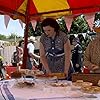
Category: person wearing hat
[31,54]
[92,52]
[77,55]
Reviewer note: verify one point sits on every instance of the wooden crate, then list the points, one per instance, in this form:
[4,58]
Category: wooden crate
[94,78]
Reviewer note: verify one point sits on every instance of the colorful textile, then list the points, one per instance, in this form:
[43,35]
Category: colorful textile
[47,8]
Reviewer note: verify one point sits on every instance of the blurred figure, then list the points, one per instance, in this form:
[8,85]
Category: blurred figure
[82,41]
[20,51]
[17,56]
[2,69]
[92,53]
[71,38]
[31,55]
[77,55]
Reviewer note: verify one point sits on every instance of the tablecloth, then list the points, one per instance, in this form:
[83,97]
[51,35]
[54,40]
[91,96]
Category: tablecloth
[41,91]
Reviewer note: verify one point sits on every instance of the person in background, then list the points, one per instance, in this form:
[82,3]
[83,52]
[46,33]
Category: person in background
[71,38]
[92,52]
[77,55]
[20,51]
[55,52]
[17,56]
[31,55]
[2,69]
[82,41]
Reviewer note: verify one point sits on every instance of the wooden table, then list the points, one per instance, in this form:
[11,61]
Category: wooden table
[94,78]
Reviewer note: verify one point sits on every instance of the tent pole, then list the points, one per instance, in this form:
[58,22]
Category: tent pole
[27,20]
[25,55]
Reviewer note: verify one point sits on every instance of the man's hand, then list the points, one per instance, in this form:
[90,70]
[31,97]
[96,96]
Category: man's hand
[94,67]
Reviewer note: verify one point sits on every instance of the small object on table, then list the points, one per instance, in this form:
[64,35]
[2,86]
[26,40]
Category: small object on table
[86,70]
[58,75]
[16,74]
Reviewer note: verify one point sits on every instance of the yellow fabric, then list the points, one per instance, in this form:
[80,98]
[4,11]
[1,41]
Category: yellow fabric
[52,5]
[22,8]
[43,6]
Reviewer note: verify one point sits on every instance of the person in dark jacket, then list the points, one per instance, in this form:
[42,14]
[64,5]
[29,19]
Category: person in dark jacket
[77,55]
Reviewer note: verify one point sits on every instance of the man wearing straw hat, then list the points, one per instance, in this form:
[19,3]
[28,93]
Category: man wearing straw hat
[31,54]
[92,53]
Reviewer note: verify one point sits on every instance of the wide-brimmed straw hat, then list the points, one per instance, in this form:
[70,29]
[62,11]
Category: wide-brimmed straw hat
[96,26]
[97,23]
[32,38]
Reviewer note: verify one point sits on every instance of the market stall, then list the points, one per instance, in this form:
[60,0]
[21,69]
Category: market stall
[28,10]
[44,89]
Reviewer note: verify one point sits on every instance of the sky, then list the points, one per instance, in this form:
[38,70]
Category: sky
[13,27]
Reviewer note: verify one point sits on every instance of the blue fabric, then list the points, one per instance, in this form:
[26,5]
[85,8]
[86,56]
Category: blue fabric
[70,71]
[29,64]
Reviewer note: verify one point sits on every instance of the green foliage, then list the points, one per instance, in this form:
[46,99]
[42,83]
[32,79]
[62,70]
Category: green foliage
[62,25]
[12,36]
[2,37]
[31,30]
[79,25]
[38,29]
[97,16]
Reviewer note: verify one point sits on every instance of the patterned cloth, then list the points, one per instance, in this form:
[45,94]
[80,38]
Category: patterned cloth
[92,53]
[56,64]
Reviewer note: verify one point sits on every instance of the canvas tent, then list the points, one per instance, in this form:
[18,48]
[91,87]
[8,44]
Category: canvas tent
[27,10]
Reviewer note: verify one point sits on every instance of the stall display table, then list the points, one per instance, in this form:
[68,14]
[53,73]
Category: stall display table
[42,90]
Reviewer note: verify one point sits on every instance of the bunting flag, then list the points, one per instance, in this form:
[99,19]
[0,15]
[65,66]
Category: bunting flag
[21,23]
[90,19]
[68,20]
[6,20]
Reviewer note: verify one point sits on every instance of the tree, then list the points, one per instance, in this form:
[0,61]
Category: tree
[31,30]
[12,36]
[79,25]
[2,37]
[38,29]
[62,24]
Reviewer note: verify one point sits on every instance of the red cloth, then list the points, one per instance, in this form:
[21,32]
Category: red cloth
[10,69]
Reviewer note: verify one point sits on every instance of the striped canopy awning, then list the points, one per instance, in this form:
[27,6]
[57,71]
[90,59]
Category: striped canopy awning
[36,9]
